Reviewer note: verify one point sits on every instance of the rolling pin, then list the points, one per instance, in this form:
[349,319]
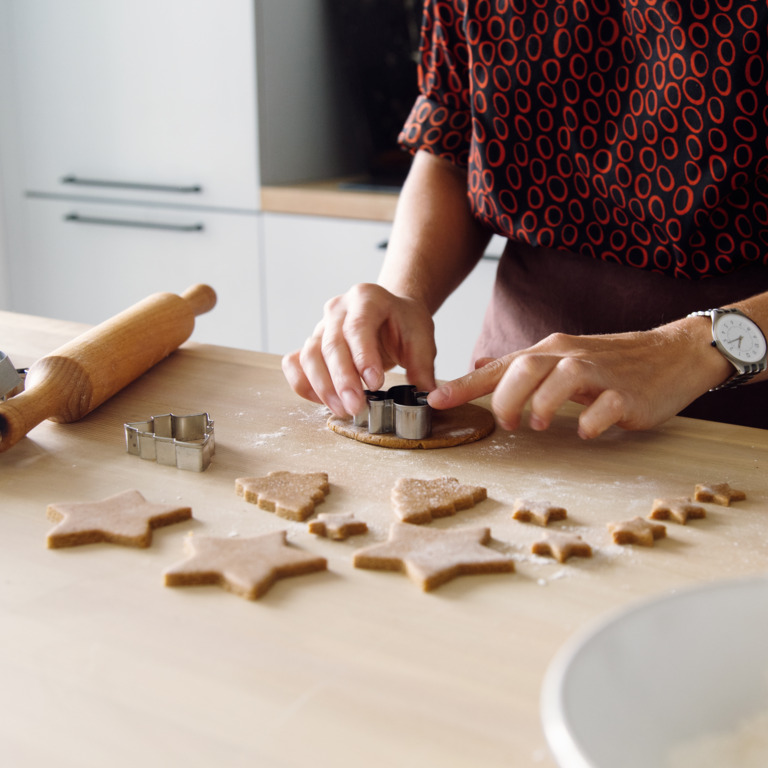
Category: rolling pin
[79,376]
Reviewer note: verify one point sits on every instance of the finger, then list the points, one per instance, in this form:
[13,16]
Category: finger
[523,376]
[475,384]
[609,408]
[483,361]
[312,363]
[294,374]
[568,380]
[419,354]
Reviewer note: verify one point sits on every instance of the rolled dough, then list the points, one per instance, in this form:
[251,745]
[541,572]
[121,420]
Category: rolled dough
[456,426]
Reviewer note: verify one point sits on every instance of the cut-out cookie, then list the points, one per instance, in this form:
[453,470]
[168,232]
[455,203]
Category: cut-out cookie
[680,510]
[246,567]
[291,495]
[638,530]
[337,525]
[561,546]
[126,518]
[431,557]
[455,426]
[420,501]
[537,512]
[719,493]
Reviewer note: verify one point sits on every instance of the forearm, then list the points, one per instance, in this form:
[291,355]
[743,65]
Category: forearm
[435,241]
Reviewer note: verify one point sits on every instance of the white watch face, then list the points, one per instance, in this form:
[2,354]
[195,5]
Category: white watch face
[741,337]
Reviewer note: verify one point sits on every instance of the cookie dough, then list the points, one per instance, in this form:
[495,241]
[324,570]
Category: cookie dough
[126,518]
[537,512]
[291,495]
[637,531]
[718,493]
[561,546]
[420,501]
[680,510]
[431,557]
[456,426]
[245,567]
[337,525]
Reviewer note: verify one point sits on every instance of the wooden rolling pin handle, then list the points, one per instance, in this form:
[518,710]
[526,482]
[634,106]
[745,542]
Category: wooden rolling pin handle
[80,375]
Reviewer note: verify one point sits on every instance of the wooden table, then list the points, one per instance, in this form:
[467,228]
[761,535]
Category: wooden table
[102,665]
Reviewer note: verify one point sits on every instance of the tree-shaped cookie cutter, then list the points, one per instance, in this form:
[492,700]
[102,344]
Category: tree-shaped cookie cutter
[185,442]
[401,410]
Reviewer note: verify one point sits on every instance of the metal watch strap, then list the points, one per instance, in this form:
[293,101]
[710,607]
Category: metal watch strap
[739,377]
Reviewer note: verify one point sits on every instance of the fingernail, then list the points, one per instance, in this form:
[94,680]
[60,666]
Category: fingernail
[536,423]
[437,397]
[372,378]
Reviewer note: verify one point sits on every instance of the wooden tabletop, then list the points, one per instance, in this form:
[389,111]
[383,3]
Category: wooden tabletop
[100,664]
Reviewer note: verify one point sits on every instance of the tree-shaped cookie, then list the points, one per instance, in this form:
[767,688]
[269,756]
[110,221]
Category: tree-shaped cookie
[420,501]
[431,557]
[247,567]
[291,495]
[126,518]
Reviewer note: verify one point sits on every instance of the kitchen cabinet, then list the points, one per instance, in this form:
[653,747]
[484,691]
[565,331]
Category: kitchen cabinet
[309,259]
[135,162]
[85,261]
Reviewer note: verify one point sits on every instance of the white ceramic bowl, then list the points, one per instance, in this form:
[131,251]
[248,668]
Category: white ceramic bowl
[671,670]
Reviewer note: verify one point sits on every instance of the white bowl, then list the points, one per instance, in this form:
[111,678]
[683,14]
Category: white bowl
[659,674]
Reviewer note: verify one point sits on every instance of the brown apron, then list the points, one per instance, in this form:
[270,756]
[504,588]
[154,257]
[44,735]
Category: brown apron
[539,291]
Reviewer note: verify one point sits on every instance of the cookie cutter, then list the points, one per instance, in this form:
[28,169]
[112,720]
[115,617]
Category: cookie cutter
[401,410]
[184,442]
[11,379]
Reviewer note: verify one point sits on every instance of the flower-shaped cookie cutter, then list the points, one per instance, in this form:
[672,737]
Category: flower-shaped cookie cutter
[185,442]
[400,409]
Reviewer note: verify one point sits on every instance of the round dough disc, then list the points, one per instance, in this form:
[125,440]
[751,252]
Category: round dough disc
[456,426]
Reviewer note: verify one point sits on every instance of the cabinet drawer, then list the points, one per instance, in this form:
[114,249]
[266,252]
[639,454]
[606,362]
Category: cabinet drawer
[156,94]
[86,262]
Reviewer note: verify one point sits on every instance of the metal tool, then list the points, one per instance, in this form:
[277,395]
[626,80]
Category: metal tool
[400,409]
[11,379]
[185,442]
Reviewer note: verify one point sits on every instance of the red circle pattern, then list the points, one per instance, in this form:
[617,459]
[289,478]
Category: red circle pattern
[633,131]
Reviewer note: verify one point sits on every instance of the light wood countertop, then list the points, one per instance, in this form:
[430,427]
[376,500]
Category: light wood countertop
[101,665]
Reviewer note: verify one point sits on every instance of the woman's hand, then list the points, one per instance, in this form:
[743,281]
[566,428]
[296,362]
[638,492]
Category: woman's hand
[363,333]
[633,380]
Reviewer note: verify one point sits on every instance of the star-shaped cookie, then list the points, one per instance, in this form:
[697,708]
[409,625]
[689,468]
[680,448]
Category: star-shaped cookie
[638,530]
[431,557]
[718,493]
[337,525]
[537,512]
[561,546]
[681,510]
[246,567]
[126,518]
[420,501]
[291,495]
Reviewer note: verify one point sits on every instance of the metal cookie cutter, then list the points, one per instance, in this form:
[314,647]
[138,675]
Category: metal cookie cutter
[400,409]
[11,379]
[185,442]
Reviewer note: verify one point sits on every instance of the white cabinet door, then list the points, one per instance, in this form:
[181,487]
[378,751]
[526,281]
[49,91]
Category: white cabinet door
[88,261]
[308,260]
[147,92]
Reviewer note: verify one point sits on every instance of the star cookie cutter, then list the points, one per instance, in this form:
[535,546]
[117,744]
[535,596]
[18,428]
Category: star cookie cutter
[184,442]
[399,409]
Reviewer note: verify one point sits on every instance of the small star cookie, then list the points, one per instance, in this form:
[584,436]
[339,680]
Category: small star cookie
[561,546]
[537,512]
[680,510]
[420,501]
[247,567]
[719,493]
[431,557]
[637,531]
[291,495]
[337,525]
[126,518]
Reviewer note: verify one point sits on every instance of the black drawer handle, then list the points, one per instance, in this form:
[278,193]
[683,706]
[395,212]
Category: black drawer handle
[130,185]
[78,219]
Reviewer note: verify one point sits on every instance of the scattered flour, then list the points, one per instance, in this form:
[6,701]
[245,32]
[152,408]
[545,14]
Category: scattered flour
[746,746]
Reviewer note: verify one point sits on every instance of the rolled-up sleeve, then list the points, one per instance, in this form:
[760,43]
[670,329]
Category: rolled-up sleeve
[440,121]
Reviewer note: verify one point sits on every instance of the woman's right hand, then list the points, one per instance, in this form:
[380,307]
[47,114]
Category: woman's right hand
[363,333]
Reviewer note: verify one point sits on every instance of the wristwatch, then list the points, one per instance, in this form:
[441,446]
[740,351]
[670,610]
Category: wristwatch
[740,341]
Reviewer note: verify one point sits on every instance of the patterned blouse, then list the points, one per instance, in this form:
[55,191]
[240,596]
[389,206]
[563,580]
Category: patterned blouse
[633,131]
